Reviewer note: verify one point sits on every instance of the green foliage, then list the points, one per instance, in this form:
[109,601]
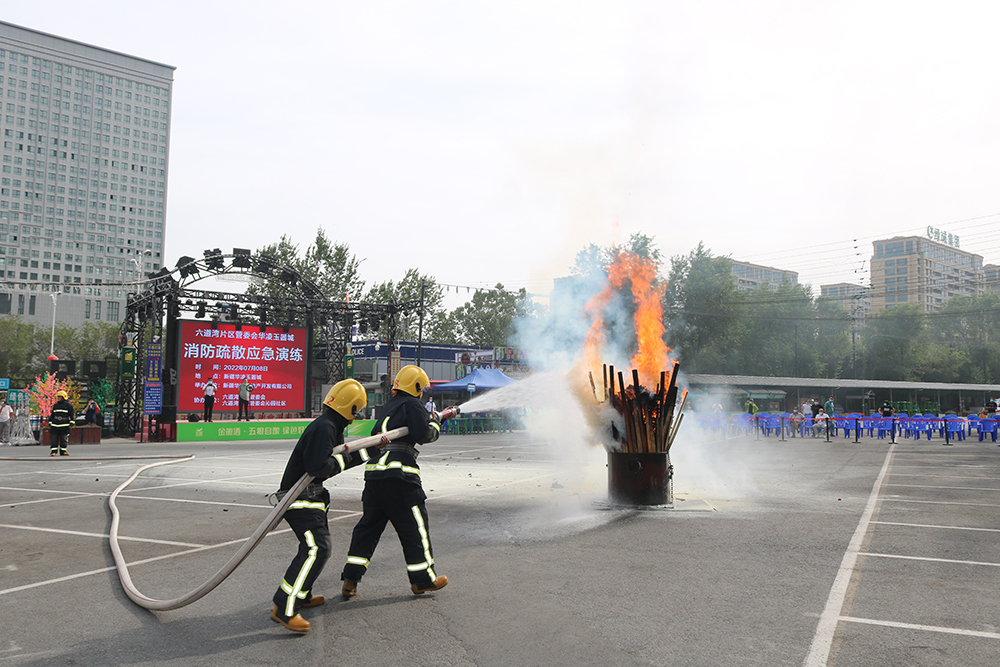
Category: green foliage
[437,327]
[703,312]
[102,392]
[329,265]
[92,341]
[488,318]
[20,353]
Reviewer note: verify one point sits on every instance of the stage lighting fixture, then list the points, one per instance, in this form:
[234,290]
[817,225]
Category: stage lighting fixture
[285,327]
[289,276]
[241,258]
[201,310]
[263,264]
[187,266]
[214,259]
[234,312]
[215,321]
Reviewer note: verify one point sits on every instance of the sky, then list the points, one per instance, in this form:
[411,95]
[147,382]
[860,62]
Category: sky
[486,143]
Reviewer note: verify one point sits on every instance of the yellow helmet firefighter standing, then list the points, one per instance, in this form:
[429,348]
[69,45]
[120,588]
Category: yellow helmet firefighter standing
[348,398]
[62,395]
[412,380]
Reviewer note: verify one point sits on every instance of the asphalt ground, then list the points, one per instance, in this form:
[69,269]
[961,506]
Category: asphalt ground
[800,552]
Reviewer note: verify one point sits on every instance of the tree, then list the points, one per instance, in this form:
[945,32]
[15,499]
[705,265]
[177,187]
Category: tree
[42,393]
[488,319]
[329,265]
[92,341]
[971,325]
[703,310]
[102,391]
[437,327]
[892,343]
[20,354]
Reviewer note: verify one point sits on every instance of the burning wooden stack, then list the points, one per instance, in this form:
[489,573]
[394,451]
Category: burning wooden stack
[651,420]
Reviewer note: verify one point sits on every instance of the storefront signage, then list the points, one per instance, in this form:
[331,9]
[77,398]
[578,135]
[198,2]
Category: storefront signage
[940,236]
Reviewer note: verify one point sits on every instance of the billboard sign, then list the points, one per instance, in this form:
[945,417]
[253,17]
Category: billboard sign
[272,360]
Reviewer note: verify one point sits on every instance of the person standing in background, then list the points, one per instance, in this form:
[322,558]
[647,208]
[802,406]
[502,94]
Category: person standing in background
[245,389]
[6,414]
[209,398]
[60,421]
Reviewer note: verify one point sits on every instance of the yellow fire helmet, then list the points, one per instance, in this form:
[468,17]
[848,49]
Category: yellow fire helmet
[411,379]
[348,398]
[62,395]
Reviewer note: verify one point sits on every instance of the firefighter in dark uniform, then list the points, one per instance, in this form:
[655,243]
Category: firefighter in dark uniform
[60,421]
[307,515]
[393,492]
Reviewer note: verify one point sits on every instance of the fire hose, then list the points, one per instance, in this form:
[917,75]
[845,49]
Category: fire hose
[249,545]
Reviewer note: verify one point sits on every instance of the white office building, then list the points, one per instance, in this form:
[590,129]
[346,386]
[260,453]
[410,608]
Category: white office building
[83,175]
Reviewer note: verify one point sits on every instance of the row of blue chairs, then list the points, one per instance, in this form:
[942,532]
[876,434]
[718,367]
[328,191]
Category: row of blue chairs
[950,427]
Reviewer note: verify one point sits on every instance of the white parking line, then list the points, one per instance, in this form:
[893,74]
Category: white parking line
[932,560]
[938,502]
[819,651]
[104,535]
[926,525]
[956,488]
[925,628]
[150,560]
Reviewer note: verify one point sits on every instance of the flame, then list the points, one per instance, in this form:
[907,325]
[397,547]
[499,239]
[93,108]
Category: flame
[652,355]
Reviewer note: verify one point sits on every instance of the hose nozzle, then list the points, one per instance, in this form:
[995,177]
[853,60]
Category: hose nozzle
[448,413]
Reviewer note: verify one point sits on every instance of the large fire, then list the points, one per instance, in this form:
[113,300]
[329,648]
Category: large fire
[640,414]
[652,353]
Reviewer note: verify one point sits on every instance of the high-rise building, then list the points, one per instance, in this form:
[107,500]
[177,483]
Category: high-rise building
[83,175]
[991,278]
[751,276]
[854,299]
[915,269]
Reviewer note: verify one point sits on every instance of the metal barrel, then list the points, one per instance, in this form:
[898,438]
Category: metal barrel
[640,479]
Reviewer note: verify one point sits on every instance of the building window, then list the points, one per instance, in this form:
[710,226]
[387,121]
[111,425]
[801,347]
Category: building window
[31,304]
[86,309]
[97,310]
[113,311]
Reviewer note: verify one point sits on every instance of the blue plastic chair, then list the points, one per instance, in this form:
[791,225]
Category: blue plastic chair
[955,427]
[924,424]
[973,421]
[904,426]
[987,427]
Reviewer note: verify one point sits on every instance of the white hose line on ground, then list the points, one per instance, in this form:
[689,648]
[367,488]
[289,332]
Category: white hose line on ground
[269,523]
[92,458]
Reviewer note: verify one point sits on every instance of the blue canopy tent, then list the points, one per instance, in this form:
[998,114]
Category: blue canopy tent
[481,378]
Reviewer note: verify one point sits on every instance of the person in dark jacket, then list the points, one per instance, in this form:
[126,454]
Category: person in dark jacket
[393,492]
[93,413]
[60,421]
[313,454]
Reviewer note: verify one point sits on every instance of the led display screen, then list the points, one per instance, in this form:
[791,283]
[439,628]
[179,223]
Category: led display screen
[273,361]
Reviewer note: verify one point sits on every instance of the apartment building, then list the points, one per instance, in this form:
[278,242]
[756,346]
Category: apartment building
[854,299]
[751,276]
[917,269]
[83,175]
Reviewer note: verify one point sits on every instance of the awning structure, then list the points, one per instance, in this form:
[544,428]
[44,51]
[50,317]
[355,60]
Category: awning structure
[765,394]
[481,378]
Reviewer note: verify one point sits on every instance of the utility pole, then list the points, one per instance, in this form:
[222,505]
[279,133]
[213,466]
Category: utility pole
[420,330]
